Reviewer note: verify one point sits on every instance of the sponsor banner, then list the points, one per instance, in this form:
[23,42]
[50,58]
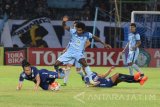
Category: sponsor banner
[33,33]
[149,58]
[14,56]
[1,55]
[94,57]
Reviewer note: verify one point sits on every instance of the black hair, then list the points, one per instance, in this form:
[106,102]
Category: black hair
[81,25]
[25,63]
[133,24]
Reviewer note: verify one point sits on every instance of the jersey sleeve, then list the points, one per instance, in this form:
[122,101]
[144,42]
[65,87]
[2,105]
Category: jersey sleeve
[35,71]
[90,35]
[21,77]
[138,37]
[72,31]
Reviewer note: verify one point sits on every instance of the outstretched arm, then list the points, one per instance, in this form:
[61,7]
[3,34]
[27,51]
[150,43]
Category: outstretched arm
[107,73]
[65,19]
[38,82]
[98,40]
[19,87]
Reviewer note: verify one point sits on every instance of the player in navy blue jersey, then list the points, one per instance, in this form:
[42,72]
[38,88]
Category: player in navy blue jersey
[42,78]
[115,79]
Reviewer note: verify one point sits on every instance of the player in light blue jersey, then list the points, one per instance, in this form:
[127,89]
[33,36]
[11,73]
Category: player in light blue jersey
[76,46]
[133,44]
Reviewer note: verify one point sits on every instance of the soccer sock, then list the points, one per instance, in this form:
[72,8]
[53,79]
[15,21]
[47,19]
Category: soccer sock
[137,68]
[127,78]
[56,68]
[130,70]
[88,70]
[67,72]
[80,73]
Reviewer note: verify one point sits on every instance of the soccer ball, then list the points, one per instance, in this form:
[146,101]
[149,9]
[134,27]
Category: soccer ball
[55,86]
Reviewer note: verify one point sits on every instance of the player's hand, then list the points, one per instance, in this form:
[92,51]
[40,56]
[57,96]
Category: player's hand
[65,18]
[35,88]
[18,88]
[133,48]
[107,46]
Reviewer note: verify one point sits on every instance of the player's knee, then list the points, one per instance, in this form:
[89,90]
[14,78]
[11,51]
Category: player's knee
[78,69]
[56,66]
[83,62]
[130,64]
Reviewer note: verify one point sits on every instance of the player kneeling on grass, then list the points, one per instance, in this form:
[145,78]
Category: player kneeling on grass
[115,79]
[43,78]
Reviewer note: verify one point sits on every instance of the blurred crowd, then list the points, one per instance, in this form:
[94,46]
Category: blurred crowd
[28,9]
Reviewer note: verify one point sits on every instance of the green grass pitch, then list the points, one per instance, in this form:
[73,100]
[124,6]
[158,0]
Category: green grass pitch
[76,94]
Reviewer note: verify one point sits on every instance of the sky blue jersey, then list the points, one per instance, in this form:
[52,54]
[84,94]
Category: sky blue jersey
[77,43]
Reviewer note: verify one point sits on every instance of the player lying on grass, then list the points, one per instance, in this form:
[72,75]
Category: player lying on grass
[115,79]
[43,78]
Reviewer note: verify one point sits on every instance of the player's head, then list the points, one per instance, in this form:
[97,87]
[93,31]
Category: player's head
[26,67]
[133,27]
[80,27]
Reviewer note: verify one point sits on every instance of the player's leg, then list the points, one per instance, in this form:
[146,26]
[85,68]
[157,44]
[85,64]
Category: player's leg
[130,62]
[135,66]
[79,70]
[63,58]
[67,72]
[118,77]
[87,70]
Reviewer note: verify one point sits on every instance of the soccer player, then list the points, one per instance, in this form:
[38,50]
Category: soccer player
[42,78]
[115,79]
[133,44]
[76,46]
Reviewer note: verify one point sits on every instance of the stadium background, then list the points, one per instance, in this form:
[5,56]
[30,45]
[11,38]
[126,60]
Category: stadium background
[112,26]
[16,20]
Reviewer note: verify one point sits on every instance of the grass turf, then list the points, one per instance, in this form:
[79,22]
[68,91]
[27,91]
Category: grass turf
[76,94]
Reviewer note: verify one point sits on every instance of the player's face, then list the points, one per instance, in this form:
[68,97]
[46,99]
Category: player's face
[27,70]
[133,29]
[79,31]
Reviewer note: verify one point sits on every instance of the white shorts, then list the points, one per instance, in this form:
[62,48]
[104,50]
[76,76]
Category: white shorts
[73,62]
[70,58]
[132,56]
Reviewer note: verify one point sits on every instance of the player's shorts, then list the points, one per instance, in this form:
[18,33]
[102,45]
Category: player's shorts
[47,77]
[132,56]
[107,82]
[73,62]
[69,56]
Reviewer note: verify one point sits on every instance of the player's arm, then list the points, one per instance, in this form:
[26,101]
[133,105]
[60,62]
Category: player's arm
[21,79]
[87,43]
[65,19]
[98,40]
[107,73]
[138,43]
[38,80]
[19,87]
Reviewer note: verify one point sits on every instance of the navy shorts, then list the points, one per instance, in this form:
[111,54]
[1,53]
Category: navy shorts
[106,83]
